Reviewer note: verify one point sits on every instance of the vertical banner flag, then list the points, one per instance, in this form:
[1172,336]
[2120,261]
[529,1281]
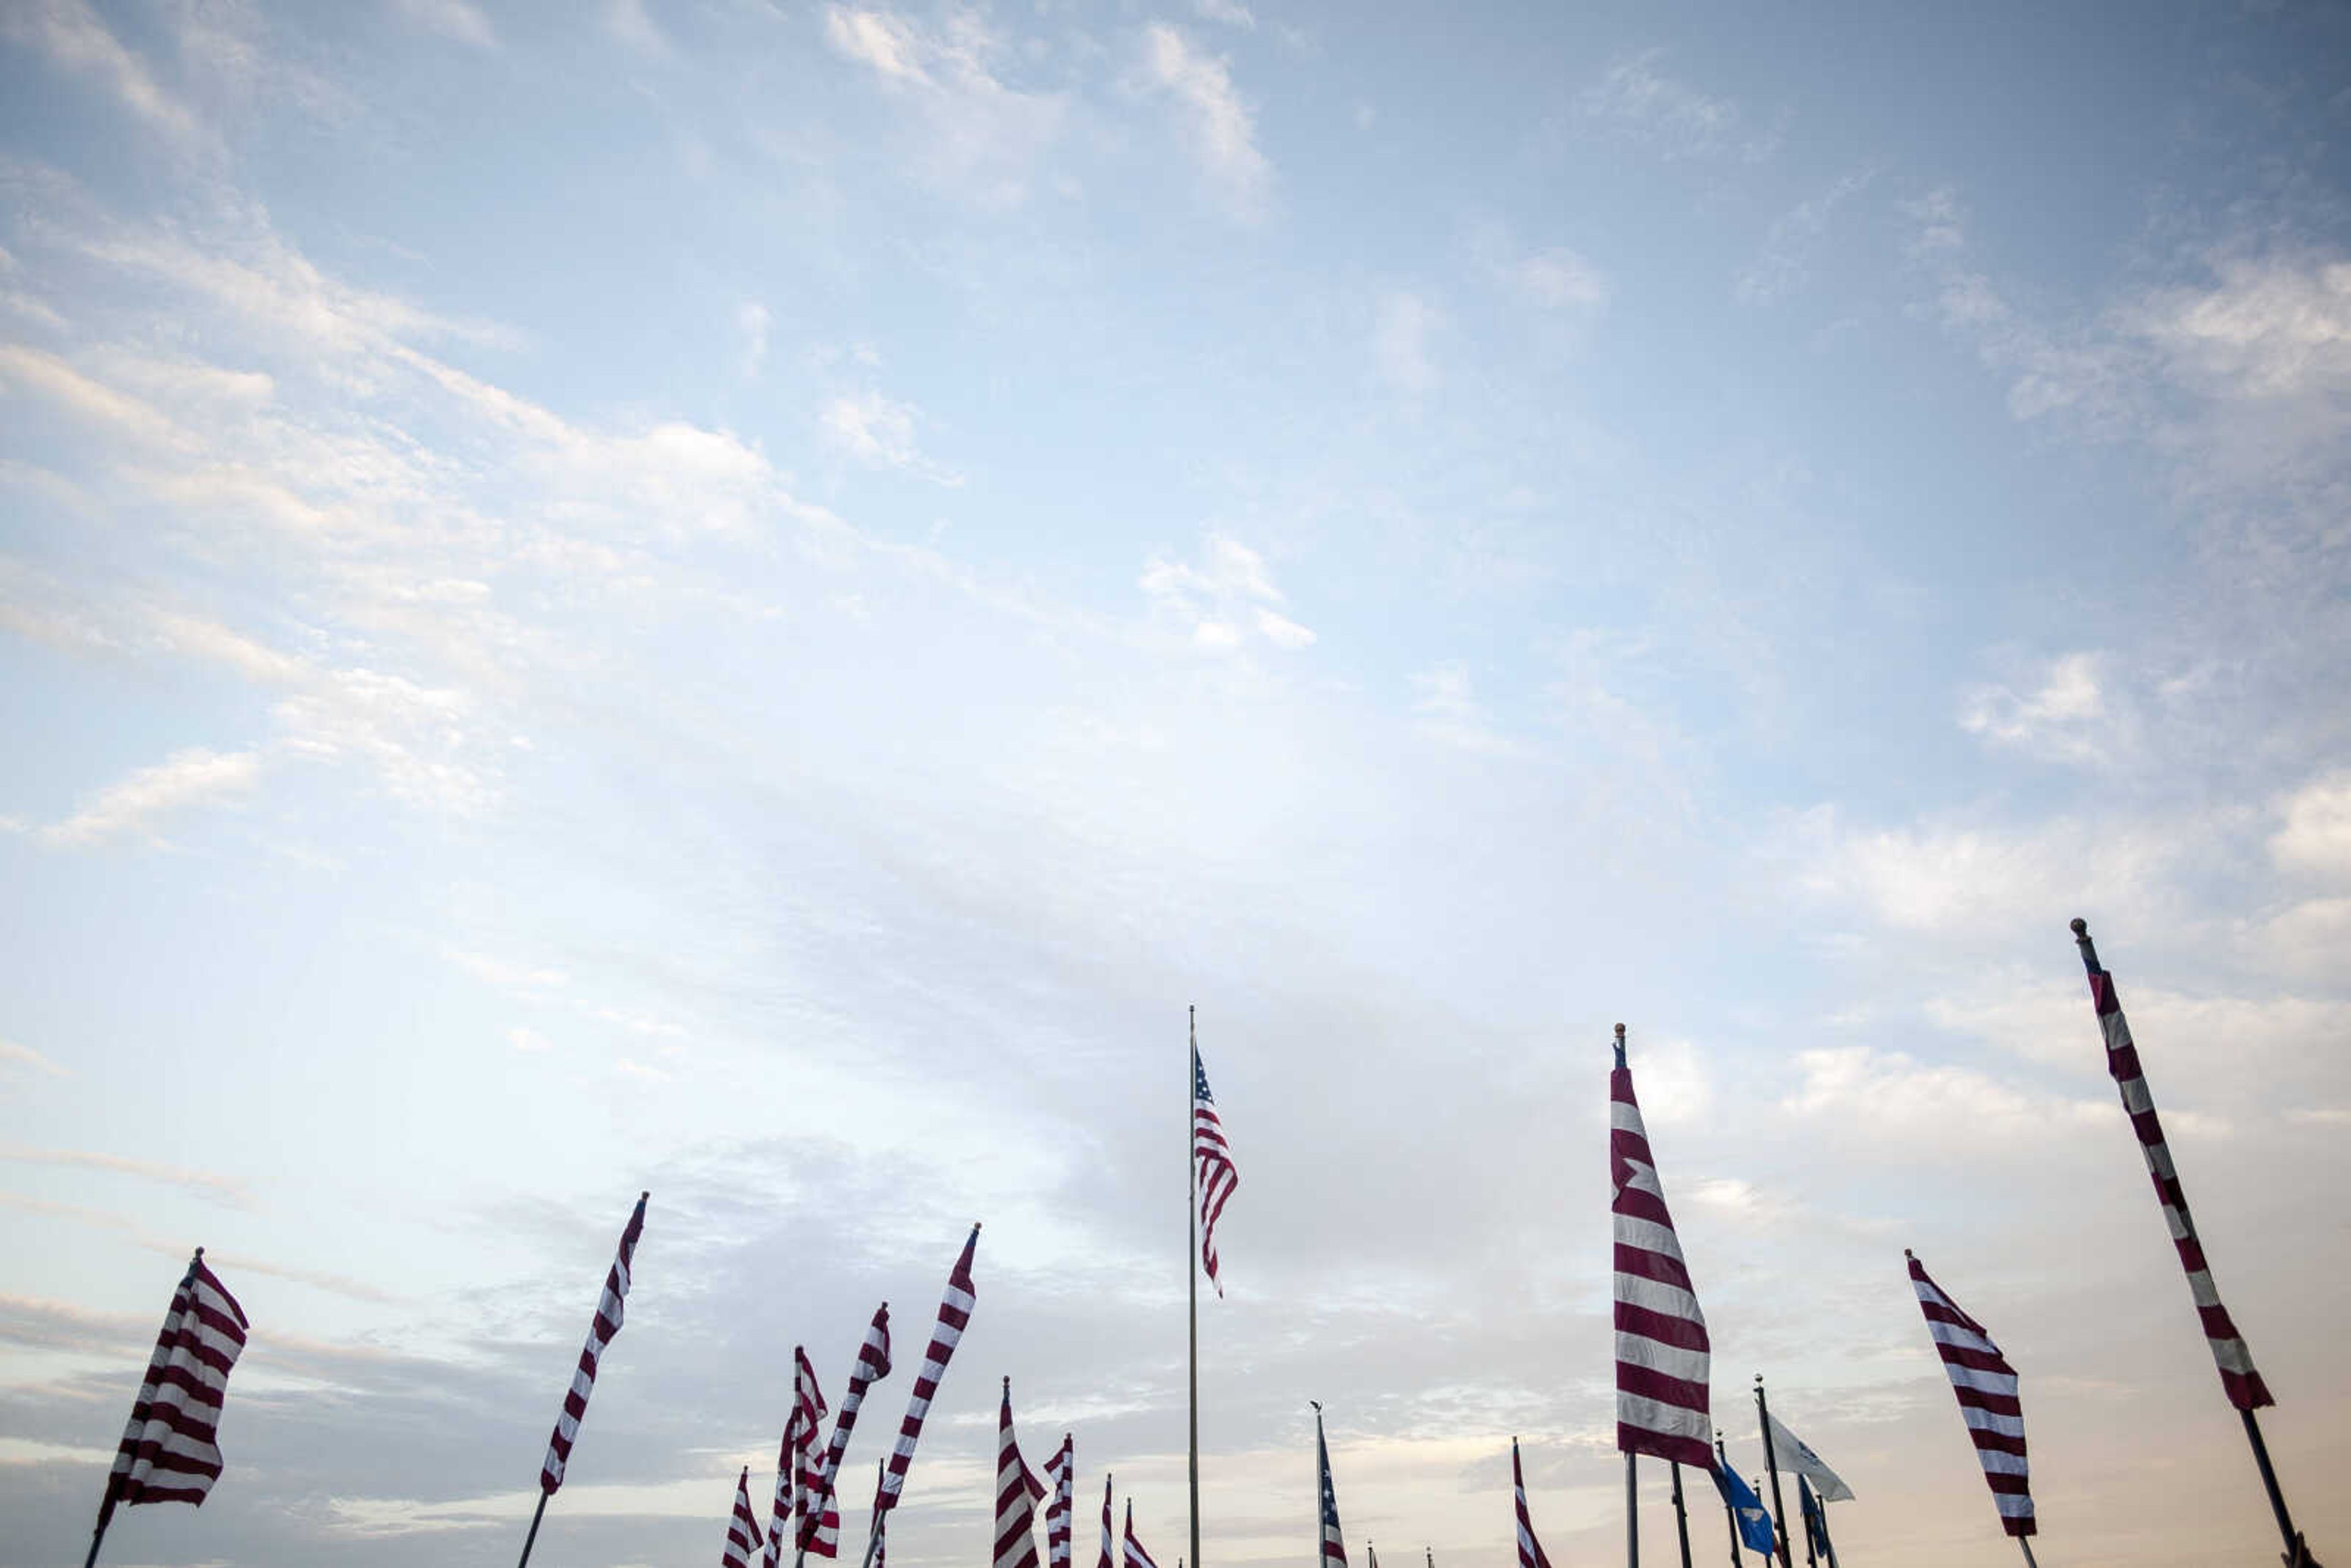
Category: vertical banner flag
[820,1529]
[1662,1394]
[880,1525]
[1060,1473]
[1531,1552]
[601,1329]
[2244,1385]
[1334,1545]
[1816,1521]
[1214,1178]
[1016,1491]
[954,1313]
[1136,1557]
[1794,1454]
[1985,1386]
[743,1530]
[808,1412]
[169,1452]
[1754,1520]
[1105,1560]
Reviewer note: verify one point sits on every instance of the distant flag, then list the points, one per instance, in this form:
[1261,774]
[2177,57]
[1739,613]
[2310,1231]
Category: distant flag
[954,1313]
[1371,1555]
[743,1530]
[1531,1552]
[797,1475]
[1213,1175]
[1016,1491]
[1105,1560]
[601,1329]
[1334,1545]
[1985,1386]
[1661,1342]
[880,1525]
[2244,1385]
[168,1452]
[1793,1453]
[1753,1519]
[1818,1547]
[1060,1473]
[820,1529]
[1136,1557]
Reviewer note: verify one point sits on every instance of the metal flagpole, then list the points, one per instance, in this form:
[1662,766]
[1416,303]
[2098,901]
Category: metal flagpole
[535,1515]
[2026,1541]
[1632,1518]
[1730,1517]
[1810,1560]
[1192,1269]
[1681,1520]
[1771,1463]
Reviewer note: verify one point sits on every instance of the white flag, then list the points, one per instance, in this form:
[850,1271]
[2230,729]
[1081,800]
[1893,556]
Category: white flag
[1794,1454]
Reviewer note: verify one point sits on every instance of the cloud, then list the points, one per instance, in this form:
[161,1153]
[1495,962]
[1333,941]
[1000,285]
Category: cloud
[1789,247]
[879,432]
[881,39]
[1226,600]
[979,135]
[2267,327]
[456,20]
[754,322]
[1231,12]
[72,36]
[1222,130]
[136,803]
[634,29]
[2316,836]
[2063,716]
[1445,708]
[220,1189]
[1889,1097]
[528,1040]
[13,1055]
[1400,342]
[1639,104]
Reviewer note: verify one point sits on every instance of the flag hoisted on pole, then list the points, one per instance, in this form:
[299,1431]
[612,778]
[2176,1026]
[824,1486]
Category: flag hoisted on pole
[1060,1474]
[881,1526]
[2238,1379]
[1985,1385]
[1751,1522]
[1334,1545]
[1797,1455]
[1016,1491]
[169,1451]
[1212,1176]
[1136,1557]
[1105,1560]
[1772,1469]
[601,1329]
[820,1530]
[955,1314]
[796,1469]
[1531,1552]
[743,1529]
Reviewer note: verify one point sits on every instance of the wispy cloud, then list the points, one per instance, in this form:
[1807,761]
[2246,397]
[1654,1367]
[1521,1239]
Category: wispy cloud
[218,1189]
[1218,123]
[1227,600]
[979,135]
[1402,342]
[1792,243]
[457,20]
[13,1055]
[138,803]
[634,29]
[71,34]
[1636,100]
[879,432]
[2063,713]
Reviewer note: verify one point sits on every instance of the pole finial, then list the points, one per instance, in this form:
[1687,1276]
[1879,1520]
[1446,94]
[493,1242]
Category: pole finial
[2081,929]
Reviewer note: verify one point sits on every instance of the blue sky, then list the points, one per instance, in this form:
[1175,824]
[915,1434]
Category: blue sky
[748,600]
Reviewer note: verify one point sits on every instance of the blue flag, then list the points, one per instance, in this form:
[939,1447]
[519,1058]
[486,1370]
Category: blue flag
[1754,1524]
[1817,1521]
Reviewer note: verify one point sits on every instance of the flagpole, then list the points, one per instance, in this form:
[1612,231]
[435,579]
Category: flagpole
[1828,1541]
[1192,1270]
[1631,1517]
[2026,1542]
[1771,1463]
[1810,1559]
[1681,1520]
[535,1515]
[1729,1516]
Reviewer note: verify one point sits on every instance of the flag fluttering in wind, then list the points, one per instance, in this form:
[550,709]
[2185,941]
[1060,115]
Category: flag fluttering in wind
[1662,1396]
[2245,1388]
[820,1529]
[1816,1518]
[796,1466]
[601,1329]
[1334,1545]
[1794,1454]
[743,1529]
[954,1313]
[1136,1557]
[1531,1552]
[1016,1491]
[1060,1474]
[1985,1386]
[1213,1175]
[1753,1519]
[1105,1560]
[170,1451]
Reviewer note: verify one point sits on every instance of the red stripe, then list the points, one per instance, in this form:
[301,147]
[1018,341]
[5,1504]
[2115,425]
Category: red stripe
[1682,1334]
[1645,1264]
[1992,1404]
[1658,1445]
[1651,1383]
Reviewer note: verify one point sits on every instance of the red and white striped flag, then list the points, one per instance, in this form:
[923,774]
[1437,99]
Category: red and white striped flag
[1985,1386]
[954,1313]
[1016,1491]
[743,1530]
[2244,1385]
[1060,1474]
[820,1520]
[169,1451]
[1105,1560]
[1335,1544]
[1531,1552]
[1213,1175]
[1662,1394]
[601,1329]
[880,1525]
[1136,1557]
[795,1465]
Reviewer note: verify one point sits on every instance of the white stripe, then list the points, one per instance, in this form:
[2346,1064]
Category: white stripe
[2013,1505]
[1626,1118]
[1672,1360]
[2232,1356]
[2000,1382]
[2115,1029]
[1992,1421]
[1649,1237]
[1999,1464]
[1959,1338]
[1659,1297]
[1652,1416]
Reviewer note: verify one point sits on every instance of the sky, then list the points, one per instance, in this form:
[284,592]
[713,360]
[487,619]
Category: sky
[750,600]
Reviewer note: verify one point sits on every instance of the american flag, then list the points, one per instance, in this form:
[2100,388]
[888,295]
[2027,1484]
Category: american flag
[881,1526]
[1531,1552]
[606,1324]
[1334,1545]
[821,1521]
[1661,1343]
[2244,1385]
[1213,1175]
[169,1453]
[1105,1560]
[743,1530]
[796,1477]
[1136,1557]
[1985,1386]
[1060,1473]
[954,1312]
[1016,1491]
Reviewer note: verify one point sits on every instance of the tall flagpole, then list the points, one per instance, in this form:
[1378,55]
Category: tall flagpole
[1632,1516]
[1681,1520]
[1192,1266]
[1771,1463]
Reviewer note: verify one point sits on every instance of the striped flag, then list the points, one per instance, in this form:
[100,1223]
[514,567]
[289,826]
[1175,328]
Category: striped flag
[820,1520]
[1016,1491]
[169,1452]
[1662,1397]
[2244,1385]
[796,1466]
[954,1312]
[1213,1175]
[1985,1386]
[881,1526]
[1136,1557]
[1531,1552]
[743,1530]
[1334,1545]
[606,1324]
[1060,1473]
[1105,1560]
